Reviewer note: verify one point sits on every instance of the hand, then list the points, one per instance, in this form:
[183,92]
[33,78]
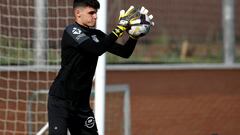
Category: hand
[143,18]
[142,25]
[139,30]
[124,19]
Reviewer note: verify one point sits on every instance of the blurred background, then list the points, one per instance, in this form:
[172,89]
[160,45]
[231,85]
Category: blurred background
[185,32]
[183,77]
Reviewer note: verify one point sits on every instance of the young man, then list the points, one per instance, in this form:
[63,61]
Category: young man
[68,102]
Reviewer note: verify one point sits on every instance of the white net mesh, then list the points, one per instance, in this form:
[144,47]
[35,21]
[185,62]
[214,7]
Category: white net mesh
[185,32]
[21,110]
[29,62]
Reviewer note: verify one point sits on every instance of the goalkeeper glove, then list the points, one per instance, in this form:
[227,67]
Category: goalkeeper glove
[124,19]
[141,26]
[143,18]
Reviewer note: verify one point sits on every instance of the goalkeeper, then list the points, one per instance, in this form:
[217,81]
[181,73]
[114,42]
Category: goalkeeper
[81,44]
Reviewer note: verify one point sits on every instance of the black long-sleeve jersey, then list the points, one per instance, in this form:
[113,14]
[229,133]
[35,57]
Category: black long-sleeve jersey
[80,48]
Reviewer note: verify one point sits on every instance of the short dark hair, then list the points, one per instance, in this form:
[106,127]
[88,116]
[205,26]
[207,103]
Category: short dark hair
[82,3]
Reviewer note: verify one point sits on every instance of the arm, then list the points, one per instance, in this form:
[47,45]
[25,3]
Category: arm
[81,38]
[125,50]
[107,43]
[86,44]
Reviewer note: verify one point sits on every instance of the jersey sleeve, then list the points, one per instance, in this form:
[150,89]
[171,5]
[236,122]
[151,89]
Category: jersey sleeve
[77,35]
[124,51]
[88,42]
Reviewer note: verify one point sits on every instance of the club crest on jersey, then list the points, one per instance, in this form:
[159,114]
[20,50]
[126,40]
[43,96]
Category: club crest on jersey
[94,37]
[90,122]
[76,31]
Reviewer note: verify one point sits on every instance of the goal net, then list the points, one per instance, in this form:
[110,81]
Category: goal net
[28,60]
[30,34]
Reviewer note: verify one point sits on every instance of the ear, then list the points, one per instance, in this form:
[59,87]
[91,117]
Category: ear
[77,12]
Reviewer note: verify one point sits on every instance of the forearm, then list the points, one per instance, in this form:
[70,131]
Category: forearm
[125,50]
[98,48]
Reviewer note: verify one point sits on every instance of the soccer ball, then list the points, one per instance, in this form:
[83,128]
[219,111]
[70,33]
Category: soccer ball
[141,26]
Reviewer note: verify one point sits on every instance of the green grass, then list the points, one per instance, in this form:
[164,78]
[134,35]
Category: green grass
[19,52]
[170,54]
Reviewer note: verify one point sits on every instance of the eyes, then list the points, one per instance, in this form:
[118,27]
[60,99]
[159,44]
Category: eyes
[92,12]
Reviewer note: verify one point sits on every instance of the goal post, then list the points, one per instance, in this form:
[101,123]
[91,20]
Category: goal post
[40,33]
[100,79]
[228,31]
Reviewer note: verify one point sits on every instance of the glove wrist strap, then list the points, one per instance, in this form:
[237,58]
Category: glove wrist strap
[132,37]
[118,31]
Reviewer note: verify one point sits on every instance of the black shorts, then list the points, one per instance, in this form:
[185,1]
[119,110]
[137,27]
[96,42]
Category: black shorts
[62,117]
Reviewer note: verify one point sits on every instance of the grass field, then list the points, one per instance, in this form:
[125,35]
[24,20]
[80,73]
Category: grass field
[18,52]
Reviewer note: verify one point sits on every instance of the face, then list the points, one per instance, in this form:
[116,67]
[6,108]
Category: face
[86,16]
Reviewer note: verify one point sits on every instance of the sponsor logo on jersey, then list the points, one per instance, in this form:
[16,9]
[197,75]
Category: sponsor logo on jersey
[90,122]
[76,31]
[80,36]
[94,37]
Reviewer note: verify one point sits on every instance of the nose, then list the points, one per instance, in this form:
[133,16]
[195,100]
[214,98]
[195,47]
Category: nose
[95,16]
